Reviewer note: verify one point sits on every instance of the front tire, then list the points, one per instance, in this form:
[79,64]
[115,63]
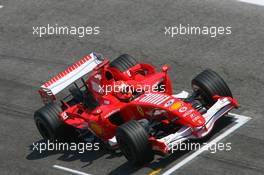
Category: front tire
[134,144]
[208,83]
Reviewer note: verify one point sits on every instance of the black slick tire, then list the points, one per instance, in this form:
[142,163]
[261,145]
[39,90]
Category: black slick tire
[51,126]
[123,62]
[208,83]
[133,141]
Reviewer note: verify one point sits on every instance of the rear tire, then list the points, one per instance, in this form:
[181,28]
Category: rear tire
[50,125]
[124,62]
[208,83]
[134,144]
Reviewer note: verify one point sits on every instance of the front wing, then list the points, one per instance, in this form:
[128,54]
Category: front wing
[222,106]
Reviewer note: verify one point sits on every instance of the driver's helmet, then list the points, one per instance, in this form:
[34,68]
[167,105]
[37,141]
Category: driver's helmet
[122,90]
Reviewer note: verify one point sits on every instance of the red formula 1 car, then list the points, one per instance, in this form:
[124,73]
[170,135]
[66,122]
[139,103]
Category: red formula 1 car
[130,105]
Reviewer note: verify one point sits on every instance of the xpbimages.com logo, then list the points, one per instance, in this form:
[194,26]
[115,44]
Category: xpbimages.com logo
[212,31]
[212,148]
[123,87]
[81,147]
[79,31]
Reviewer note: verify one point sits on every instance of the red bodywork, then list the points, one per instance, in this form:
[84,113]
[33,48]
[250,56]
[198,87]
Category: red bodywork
[98,119]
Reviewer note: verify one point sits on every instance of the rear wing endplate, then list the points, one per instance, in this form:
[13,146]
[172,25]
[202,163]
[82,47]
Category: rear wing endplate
[62,80]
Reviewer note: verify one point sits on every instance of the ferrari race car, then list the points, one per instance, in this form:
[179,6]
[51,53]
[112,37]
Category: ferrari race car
[130,106]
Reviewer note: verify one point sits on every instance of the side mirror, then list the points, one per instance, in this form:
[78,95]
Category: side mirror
[165,68]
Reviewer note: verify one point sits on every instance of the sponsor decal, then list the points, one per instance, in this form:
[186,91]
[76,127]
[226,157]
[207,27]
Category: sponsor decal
[192,116]
[175,106]
[196,118]
[188,112]
[64,116]
[169,103]
[183,109]
[140,110]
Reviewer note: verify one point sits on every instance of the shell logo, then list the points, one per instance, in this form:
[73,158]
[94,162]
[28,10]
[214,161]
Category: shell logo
[175,106]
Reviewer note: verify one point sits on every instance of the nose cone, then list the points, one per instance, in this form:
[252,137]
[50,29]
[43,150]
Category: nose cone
[187,114]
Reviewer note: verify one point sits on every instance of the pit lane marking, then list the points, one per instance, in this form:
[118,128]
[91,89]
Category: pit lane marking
[241,120]
[72,171]
[256,2]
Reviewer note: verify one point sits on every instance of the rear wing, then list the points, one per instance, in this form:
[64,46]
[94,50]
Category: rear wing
[59,82]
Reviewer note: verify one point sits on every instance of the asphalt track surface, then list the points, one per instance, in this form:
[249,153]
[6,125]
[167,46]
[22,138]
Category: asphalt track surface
[136,28]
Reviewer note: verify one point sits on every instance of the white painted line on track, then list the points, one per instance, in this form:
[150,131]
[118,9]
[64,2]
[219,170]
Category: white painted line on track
[69,170]
[241,120]
[256,2]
